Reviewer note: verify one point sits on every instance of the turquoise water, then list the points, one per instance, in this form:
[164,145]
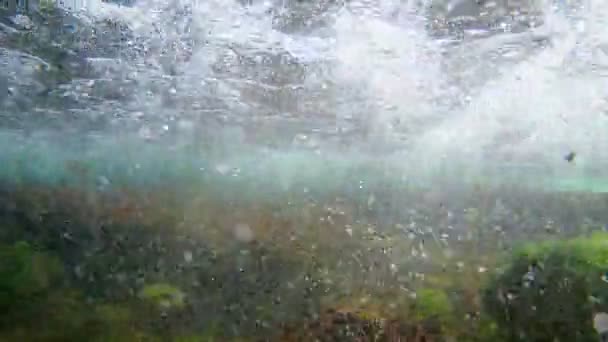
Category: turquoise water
[117,161]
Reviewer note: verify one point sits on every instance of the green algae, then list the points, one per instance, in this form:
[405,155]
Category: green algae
[163,295]
[25,275]
[431,303]
[153,256]
[36,304]
[550,290]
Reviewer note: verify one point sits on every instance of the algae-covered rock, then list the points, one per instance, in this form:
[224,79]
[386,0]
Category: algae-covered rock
[38,305]
[382,317]
[25,275]
[345,326]
[339,325]
[163,295]
[432,303]
[550,291]
[117,323]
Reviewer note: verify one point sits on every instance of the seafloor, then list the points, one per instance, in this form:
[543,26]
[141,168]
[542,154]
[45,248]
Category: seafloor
[226,256]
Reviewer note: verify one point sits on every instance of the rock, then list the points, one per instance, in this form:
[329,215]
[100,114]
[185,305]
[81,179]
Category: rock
[341,325]
[22,22]
[243,233]
[6,30]
[463,9]
[548,285]
[600,323]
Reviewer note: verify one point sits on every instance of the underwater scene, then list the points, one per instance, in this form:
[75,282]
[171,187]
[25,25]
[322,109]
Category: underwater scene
[303,170]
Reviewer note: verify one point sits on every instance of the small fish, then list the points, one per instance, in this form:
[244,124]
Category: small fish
[570,157]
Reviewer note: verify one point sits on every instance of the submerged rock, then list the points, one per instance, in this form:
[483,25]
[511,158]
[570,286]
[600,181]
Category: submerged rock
[545,292]
[164,295]
[22,22]
[600,323]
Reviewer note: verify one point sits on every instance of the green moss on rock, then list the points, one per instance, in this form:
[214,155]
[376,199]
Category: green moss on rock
[550,291]
[25,276]
[164,295]
[431,303]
